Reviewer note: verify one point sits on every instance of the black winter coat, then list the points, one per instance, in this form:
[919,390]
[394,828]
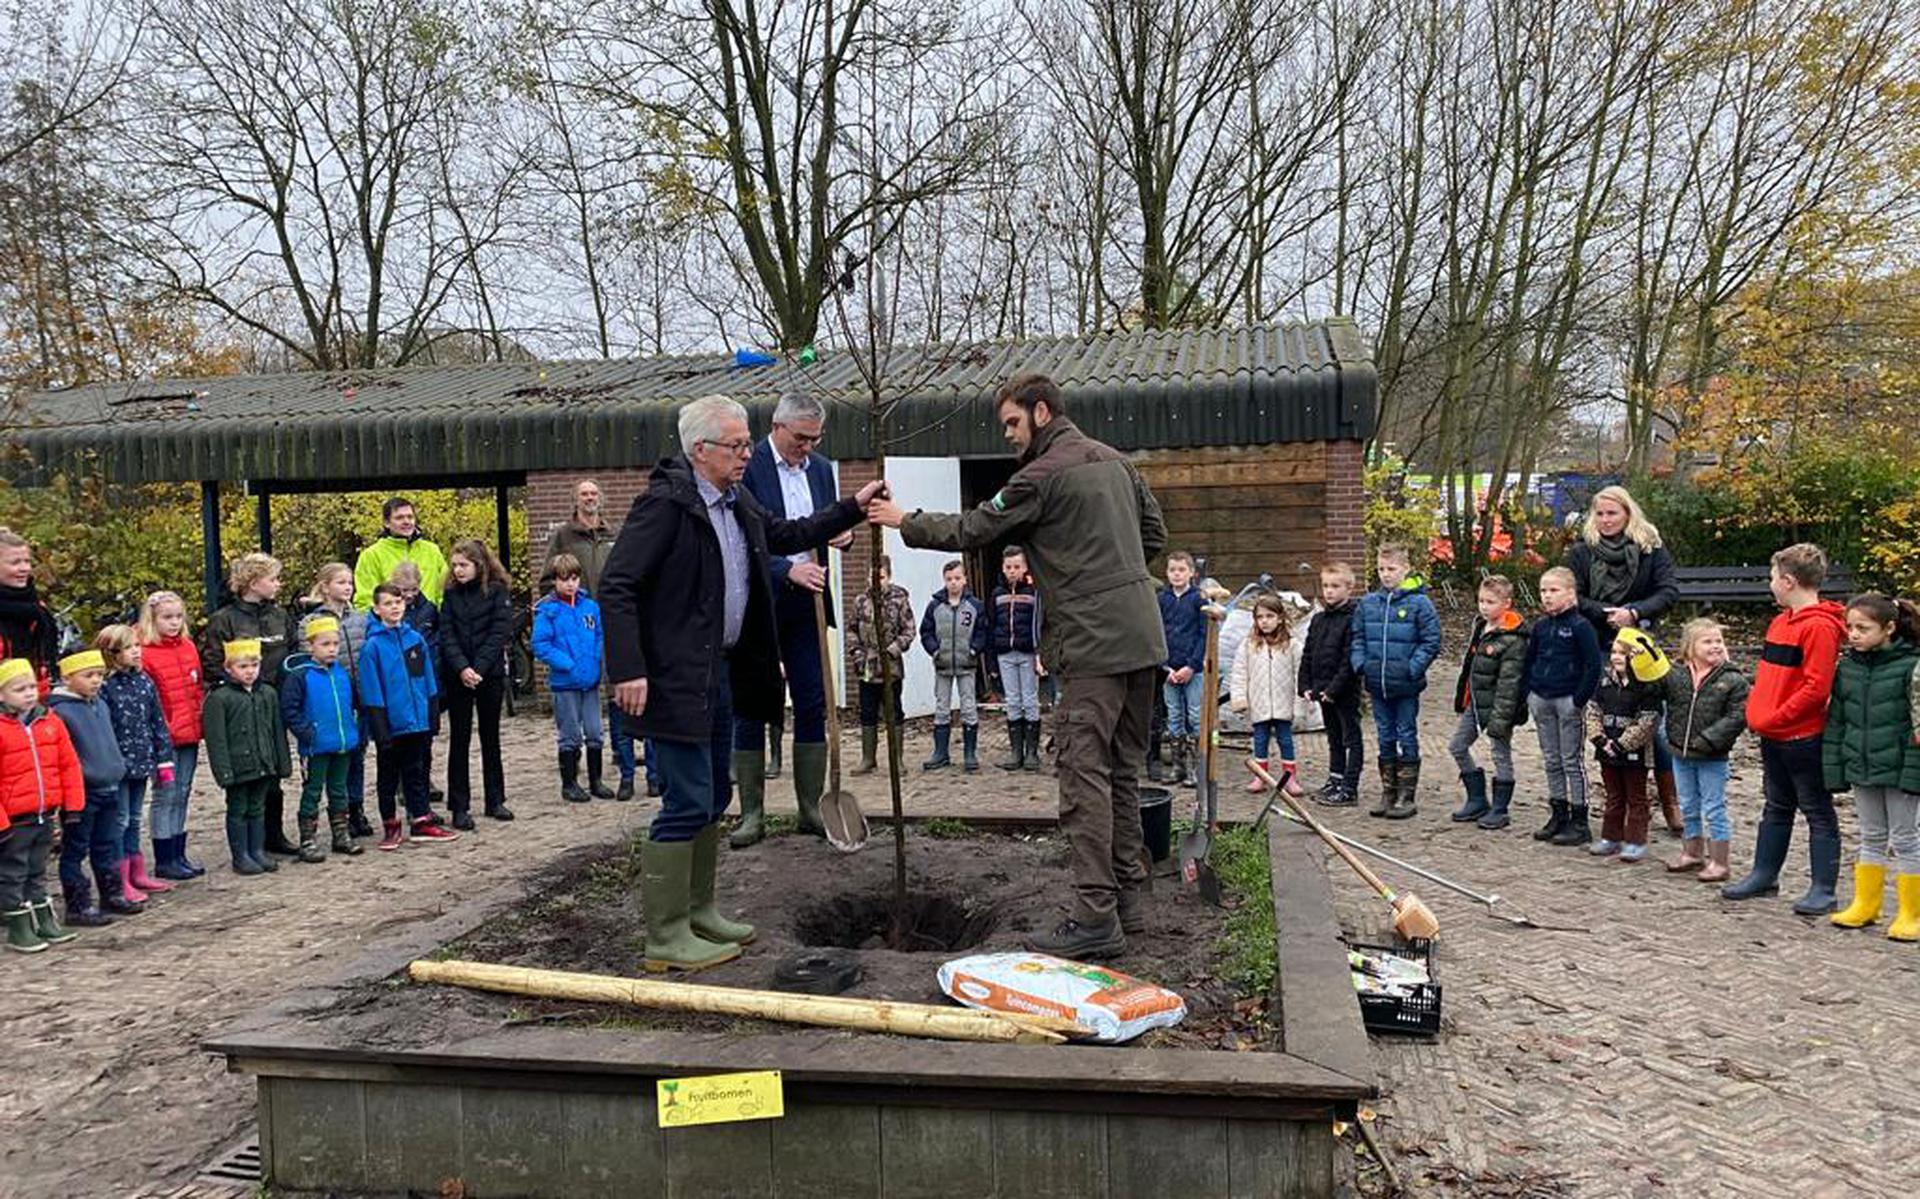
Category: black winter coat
[663,598]
[1653,592]
[1326,663]
[475,622]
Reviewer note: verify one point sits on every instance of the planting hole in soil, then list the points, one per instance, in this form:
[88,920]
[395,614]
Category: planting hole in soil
[932,924]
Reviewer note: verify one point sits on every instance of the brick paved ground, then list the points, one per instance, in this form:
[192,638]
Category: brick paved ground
[1684,1046]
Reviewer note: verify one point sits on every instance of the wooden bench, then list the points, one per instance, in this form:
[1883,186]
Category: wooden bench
[1710,585]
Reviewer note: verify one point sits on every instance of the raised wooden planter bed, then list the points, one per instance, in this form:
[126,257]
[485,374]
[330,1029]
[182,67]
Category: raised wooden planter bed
[561,1112]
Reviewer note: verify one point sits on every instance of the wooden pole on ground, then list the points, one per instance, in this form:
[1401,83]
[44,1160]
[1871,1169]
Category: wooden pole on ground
[827,1011]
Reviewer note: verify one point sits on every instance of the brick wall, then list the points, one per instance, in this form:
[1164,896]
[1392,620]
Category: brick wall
[549,501]
[1346,539]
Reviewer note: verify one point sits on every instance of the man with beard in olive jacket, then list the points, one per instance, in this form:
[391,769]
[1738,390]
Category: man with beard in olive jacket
[1089,525]
[688,604]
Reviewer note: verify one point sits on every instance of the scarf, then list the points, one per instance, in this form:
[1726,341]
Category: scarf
[1611,571]
[27,629]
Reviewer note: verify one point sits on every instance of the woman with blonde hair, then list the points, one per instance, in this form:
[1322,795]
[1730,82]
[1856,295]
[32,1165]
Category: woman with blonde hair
[1624,577]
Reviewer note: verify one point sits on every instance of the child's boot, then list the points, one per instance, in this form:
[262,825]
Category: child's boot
[1770,846]
[942,740]
[310,850]
[1254,785]
[112,899]
[357,822]
[1290,779]
[1017,748]
[1576,831]
[47,925]
[1177,773]
[1823,867]
[749,774]
[1406,786]
[596,763]
[127,888]
[243,862]
[1033,747]
[1869,885]
[1670,801]
[1496,815]
[82,912]
[22,937]
[186,863]
[970,748]
[1716,869]
[1474,782]
[169,859]
[137,872]
[1389,787]
[666,881]
[343,835]
[869,746]
[1556,821]
[1906,925]
[257,844]
[1692,856]
[570,789]
[392,835]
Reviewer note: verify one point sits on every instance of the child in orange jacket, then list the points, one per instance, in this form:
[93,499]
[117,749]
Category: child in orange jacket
[39,784]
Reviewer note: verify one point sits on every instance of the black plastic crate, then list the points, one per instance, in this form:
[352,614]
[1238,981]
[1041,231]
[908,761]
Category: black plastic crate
[1414,1015]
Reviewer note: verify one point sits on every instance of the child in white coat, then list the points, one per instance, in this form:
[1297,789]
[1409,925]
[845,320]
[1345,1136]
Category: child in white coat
[1265,676]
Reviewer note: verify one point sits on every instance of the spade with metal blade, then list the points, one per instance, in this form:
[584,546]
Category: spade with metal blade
[840,813]
[1196,848]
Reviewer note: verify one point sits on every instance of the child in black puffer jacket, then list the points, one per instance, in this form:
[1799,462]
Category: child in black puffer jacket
[1327,678]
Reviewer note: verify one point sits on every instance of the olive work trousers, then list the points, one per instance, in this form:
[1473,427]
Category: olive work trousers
[1100,728]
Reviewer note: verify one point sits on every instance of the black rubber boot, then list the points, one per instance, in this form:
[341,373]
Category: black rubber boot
[1389,787]
[243,862]
[596,765]
[942,748]
[1823,863]
[1556,821]
[570,789]
[82,912]
[1033,747]
[1576,831]
[357,822]
[1496,816]
[276,841]
[1016,746]
[257,844]
[1770,846]
[1476,806]
[970,748]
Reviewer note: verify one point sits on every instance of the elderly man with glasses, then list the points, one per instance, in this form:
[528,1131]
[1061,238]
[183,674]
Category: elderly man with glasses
[691,639]
[790,479]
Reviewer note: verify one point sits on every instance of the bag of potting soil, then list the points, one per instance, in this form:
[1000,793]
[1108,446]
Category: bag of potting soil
[1116,1007]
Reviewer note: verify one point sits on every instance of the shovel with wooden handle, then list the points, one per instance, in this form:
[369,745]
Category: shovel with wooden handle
[840,813]
[1196,848]
[1411,918]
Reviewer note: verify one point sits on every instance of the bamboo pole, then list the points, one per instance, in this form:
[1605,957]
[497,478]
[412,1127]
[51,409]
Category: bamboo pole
[827,1011]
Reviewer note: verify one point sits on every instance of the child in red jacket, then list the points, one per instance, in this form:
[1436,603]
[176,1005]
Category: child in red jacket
[1787,710]
[39,784]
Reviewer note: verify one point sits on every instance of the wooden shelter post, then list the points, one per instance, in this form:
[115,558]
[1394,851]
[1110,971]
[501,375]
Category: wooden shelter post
[210,540]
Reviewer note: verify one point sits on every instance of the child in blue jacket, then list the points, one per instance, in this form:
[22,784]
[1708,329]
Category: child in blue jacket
[569,638]
[317,705]
[1563,672]
[1183,619]
[401,695]
[1396,640]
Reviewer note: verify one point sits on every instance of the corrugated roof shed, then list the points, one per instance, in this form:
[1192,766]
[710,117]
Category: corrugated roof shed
[1136,390]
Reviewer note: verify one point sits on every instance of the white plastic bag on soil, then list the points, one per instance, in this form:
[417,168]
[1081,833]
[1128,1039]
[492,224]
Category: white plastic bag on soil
[1116,1007]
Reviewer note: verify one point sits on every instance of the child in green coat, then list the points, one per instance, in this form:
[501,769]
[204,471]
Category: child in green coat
[247,749]
[1869,746]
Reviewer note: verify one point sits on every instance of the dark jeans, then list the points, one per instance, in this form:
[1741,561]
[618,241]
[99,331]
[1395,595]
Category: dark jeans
[133,794]
[357,773]
[23,862]
[1793,781]
[1346,750]
[653,764]
[96,837]
[402,766]
[622,739]
[1396,722]
[870,702]
[695,776]
[800,654]
[1101,730]
[462,702]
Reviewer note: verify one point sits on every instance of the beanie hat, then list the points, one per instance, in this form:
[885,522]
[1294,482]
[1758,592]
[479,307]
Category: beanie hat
[15,668]
[86,659]
[1644,656]
[246,647]
[320,624]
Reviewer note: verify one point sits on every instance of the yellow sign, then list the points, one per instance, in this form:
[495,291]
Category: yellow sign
[719,1099]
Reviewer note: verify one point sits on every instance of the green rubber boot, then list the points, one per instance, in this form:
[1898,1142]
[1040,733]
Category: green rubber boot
[750,775]
[869,748]
[50,929]
[702,916]
[21,936]
[809,780]
[666,869]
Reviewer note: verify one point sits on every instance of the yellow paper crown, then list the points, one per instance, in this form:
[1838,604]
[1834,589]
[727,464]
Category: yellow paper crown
[86,659]
[15,668]
[321,624]
[1644,657]
[246,647]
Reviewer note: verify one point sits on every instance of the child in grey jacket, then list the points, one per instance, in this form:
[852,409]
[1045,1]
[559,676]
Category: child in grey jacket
[954,633]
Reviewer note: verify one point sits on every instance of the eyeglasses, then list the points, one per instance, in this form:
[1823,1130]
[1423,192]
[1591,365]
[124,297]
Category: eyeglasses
[740,449]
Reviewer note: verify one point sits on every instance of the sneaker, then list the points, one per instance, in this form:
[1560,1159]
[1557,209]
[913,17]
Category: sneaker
[1604,849]
[463,820]
[426,829]
[392,836]
[1076,941]
[1631,853]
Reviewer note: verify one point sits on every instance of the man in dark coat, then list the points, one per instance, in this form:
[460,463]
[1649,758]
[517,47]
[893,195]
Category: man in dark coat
[1089,524]
[688,605]
[790,480]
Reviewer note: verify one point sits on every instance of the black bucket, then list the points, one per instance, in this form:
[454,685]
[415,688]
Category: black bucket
[1156,821]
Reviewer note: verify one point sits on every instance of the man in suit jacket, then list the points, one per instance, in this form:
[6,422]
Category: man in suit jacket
[792,481]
